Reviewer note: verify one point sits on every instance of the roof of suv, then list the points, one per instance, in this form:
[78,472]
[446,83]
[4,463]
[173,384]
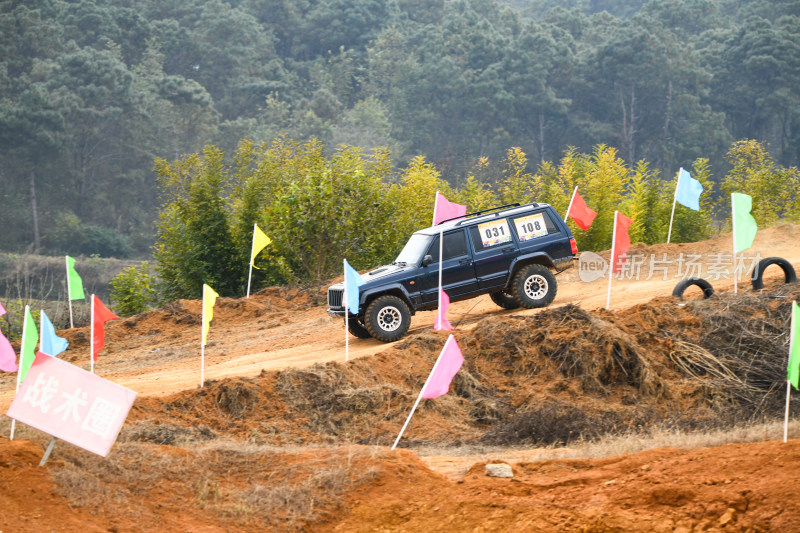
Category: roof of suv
[480,217]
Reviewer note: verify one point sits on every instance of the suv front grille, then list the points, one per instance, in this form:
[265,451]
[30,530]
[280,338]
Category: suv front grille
[335,297]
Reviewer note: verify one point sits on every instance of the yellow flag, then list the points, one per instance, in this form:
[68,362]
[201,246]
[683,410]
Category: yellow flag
[209,298]
[260,240]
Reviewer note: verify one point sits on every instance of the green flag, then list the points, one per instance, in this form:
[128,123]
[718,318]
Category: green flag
[74,282]
[793,372]
[744,225]
[29,339]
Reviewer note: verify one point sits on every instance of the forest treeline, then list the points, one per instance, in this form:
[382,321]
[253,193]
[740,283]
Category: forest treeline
[93,91]
[318,208]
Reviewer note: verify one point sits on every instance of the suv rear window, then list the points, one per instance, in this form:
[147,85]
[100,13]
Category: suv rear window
[533,226]
[490,233]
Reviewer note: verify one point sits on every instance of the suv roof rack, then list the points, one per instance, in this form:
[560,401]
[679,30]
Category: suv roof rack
[476,213]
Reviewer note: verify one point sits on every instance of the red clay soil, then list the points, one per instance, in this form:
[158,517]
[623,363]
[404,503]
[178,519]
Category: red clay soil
[286,436]
[739,487]
[746,487]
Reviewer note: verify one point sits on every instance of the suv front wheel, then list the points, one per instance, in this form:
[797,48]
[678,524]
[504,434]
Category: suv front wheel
[534,286]
[387,318]
[357,329]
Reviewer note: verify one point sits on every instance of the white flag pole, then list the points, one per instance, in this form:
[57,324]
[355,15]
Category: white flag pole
[786,417]
[202,343]
[439,293]
[789,383]
[252,257]
[674,201]
[19,367]
[69,294]
[611,260]
[419,397]
[574,192]
[733,238]
[346,315]
[91,339]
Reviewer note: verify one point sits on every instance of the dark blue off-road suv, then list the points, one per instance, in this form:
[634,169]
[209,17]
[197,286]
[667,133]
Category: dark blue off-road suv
[510,252]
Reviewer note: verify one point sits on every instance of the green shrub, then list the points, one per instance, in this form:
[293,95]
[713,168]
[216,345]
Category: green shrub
[133,290]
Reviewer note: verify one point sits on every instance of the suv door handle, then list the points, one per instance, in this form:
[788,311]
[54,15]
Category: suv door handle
[508,249]
[465,261]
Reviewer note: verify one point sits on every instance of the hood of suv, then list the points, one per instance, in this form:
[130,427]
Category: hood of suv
[382,273]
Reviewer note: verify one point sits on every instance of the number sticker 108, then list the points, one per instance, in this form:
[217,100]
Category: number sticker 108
[531,227]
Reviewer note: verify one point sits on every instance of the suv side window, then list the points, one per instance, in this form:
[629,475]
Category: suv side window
[533,226]
[454,245]
[489,234]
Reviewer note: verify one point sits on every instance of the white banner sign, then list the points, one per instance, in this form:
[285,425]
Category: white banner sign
[72,404]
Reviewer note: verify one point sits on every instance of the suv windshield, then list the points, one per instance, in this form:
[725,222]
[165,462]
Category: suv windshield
[414,248]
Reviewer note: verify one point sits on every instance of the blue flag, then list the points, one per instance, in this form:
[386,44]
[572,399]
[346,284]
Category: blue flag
[352,281]
[688,190]
[50,343]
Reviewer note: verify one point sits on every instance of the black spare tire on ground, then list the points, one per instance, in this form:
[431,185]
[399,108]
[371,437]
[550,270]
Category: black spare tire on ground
[757,278]
[684,284]
[387,318]
[534,286]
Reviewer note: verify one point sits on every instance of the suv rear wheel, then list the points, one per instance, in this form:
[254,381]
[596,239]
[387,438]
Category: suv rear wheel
[504,300]
[534,286]
[387,318]
[357,329]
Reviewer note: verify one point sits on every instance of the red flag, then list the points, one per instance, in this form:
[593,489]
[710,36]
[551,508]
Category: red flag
[100,316]
[441,321]
[444,209]
[580,213]
[445,369]
[622,241]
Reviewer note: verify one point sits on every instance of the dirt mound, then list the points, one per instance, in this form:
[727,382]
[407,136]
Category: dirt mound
[29,497]
[552,378]
[230,486]
[658,490]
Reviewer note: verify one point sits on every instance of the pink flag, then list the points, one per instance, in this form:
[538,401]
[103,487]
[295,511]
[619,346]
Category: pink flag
[443,209]
[445,369]
[2,310]
[8,358]
[441,321]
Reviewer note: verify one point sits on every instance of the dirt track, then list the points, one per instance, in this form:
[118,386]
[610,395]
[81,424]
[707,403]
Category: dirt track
[735,487]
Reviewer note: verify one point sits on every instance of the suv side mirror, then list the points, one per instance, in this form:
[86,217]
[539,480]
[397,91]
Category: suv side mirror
[427,260]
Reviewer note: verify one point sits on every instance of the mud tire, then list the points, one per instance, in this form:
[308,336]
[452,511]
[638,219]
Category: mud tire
[387,318]
[757,277]
[684,284]
[357,329]
[504,300]
[534,286]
